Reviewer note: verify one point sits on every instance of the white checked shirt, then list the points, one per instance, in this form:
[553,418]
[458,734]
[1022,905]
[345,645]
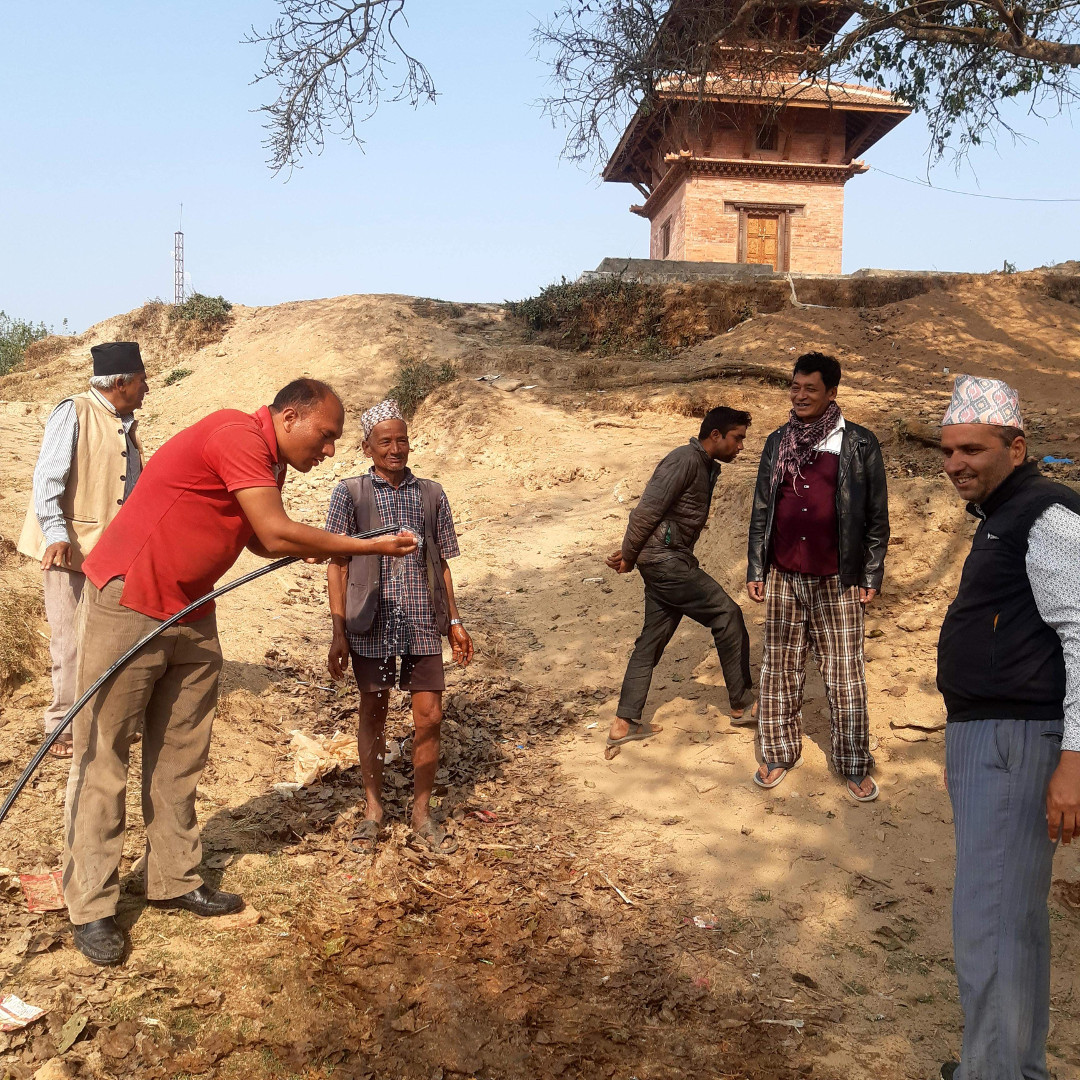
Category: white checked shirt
[1053,569]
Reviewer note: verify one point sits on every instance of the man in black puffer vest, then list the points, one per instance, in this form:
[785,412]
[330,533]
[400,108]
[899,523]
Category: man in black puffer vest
[1009,670]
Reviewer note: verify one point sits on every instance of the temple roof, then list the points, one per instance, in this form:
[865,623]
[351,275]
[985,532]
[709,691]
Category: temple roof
[875,112]
[818,22]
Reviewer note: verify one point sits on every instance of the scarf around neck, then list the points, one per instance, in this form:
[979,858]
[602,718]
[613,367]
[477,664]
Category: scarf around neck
[798,444]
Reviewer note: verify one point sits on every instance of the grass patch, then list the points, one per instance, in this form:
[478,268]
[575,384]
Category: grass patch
[176,375]
[762,897]
[207,312]
[416,379]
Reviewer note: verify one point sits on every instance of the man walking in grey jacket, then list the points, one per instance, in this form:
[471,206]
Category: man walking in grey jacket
[660,538]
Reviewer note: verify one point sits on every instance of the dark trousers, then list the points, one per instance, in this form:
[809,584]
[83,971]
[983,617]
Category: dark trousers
[672,590]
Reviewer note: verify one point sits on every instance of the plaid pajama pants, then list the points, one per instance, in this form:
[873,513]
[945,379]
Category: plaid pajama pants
[803,610]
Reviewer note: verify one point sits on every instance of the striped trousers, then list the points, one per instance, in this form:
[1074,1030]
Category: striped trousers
[803,610]
[998,774]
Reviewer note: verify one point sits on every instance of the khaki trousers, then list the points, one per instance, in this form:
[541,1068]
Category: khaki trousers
[62,591]
[169,689]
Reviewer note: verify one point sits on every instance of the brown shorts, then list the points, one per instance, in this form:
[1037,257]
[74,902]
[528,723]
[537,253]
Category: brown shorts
[421,674]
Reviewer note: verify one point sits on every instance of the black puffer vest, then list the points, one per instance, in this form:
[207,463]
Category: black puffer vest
[997,659]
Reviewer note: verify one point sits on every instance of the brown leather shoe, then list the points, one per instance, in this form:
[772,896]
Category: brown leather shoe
[204,901]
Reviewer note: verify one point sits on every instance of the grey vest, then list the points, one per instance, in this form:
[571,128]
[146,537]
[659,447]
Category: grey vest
[365,571]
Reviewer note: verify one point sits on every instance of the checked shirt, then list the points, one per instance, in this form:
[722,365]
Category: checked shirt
[403,507]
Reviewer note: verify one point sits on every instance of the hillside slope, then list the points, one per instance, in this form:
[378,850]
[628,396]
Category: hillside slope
[853,900]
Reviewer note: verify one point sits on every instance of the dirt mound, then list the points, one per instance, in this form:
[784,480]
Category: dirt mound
[655,914]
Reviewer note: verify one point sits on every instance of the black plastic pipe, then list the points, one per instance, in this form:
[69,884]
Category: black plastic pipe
[60,728]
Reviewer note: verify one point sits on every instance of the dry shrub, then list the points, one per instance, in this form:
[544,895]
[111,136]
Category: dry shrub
[49,348]
[592,373]
[613,314]
[22,648]
[441,311]
[416,378]
[1063,287]
[163,329]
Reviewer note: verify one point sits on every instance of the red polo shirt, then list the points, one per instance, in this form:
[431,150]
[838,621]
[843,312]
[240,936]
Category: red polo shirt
[182,527]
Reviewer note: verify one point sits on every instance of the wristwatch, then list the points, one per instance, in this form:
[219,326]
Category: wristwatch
[456,622]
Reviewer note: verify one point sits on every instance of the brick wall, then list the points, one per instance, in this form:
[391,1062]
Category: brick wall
[673,212]
[704,231]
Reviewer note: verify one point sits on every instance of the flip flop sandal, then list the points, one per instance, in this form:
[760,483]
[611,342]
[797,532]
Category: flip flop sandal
[64,749]
[435,839]
[771,765]
[646,732]
[364,837]
[746,717]
[858,780]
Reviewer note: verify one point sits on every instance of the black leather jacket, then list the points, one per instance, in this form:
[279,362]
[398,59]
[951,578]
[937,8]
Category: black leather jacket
[862,509]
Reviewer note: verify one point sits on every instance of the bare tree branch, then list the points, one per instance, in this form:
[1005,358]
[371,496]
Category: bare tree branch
[334,61]
[959,62]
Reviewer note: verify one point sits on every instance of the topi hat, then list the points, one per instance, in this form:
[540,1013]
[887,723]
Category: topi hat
[385,410]
[117,358]
[983,401]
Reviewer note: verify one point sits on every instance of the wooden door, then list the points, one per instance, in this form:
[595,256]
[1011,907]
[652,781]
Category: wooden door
[763,239]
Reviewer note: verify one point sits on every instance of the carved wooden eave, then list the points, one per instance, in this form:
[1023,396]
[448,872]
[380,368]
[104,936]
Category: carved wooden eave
[870,114]
[744,169]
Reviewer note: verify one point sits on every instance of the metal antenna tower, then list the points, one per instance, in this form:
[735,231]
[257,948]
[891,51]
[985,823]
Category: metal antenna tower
[178,261]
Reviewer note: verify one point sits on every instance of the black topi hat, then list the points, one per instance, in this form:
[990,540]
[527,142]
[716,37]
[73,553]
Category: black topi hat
[117,358]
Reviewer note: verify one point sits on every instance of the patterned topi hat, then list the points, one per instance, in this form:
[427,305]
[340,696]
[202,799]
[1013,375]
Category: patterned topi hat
[385,410]
[983,401]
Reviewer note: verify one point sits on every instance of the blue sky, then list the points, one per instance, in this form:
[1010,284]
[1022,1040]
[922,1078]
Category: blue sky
[116,112]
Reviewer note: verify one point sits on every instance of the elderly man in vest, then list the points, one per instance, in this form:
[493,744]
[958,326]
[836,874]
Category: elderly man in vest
[384,610]
[90,459]
[1009,670]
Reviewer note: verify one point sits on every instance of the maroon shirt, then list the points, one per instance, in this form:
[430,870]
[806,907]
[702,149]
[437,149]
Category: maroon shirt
[805,539]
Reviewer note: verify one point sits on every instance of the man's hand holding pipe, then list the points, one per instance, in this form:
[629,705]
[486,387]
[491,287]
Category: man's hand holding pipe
[277,534]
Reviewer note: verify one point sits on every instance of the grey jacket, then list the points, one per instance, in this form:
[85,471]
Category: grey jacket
[673,509]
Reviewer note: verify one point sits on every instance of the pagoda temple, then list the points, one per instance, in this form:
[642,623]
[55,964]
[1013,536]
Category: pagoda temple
[749,165]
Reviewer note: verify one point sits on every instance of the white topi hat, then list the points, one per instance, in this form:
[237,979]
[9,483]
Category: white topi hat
[983,401]
[385,410]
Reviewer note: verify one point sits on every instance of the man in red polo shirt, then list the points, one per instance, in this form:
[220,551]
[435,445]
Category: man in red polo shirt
[209,492]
